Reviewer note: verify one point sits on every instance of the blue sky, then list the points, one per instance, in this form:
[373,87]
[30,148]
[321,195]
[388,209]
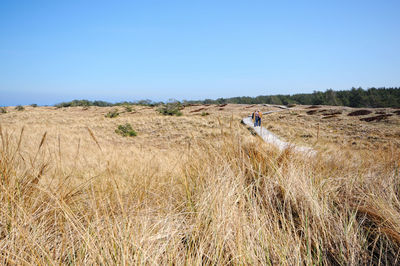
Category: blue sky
[53,51]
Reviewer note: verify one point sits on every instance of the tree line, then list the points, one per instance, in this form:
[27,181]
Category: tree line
[104,103]
[356,97]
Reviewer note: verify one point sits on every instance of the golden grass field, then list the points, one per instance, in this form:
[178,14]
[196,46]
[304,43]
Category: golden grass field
[198,189]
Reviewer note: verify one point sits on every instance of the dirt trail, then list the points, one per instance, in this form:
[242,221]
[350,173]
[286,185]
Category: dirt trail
[270,137]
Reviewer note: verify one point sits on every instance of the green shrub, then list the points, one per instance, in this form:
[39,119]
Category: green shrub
[171,108]
[19,108]
[3,110]
[34,105]
[128,109]
[204,114]
[126,130]
[112,114]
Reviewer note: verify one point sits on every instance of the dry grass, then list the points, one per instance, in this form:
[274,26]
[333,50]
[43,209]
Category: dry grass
[332,127]
[191,190]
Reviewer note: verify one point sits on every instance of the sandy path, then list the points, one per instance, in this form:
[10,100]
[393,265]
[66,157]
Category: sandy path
[270,137]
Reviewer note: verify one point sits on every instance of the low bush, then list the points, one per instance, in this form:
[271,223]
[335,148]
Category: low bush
[126,130]
[112,114]
[360,112]
[19,108]
[204,114]
[34,105]
[128,109]
[74,103]
[376,118]
[172,108]
[3,110]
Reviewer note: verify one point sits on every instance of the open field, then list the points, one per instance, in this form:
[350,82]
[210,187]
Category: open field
[198,189]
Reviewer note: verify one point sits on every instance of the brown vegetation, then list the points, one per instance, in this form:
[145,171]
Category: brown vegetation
[360,112]
[192,190]
[311,112]
[332,112]
[198,110]
[313,107]
[329,116]
[375,118]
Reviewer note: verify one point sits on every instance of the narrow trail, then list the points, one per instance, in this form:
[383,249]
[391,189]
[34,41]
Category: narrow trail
[270,137]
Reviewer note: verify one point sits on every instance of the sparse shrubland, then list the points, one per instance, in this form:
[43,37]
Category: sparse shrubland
[228,198]
[3,110]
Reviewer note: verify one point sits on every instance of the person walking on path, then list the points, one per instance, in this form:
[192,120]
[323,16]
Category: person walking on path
[259,117]
[256,118]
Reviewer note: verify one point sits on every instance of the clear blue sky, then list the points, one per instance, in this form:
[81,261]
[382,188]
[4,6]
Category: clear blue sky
[53,51]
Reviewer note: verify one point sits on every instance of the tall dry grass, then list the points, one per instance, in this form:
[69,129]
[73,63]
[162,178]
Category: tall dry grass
[230,201]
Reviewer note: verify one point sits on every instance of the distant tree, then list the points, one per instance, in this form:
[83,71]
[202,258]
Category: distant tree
[101,103]
[221,100]
[208,101]
[317,98]
[355,97]
[330,97]
[275,100]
